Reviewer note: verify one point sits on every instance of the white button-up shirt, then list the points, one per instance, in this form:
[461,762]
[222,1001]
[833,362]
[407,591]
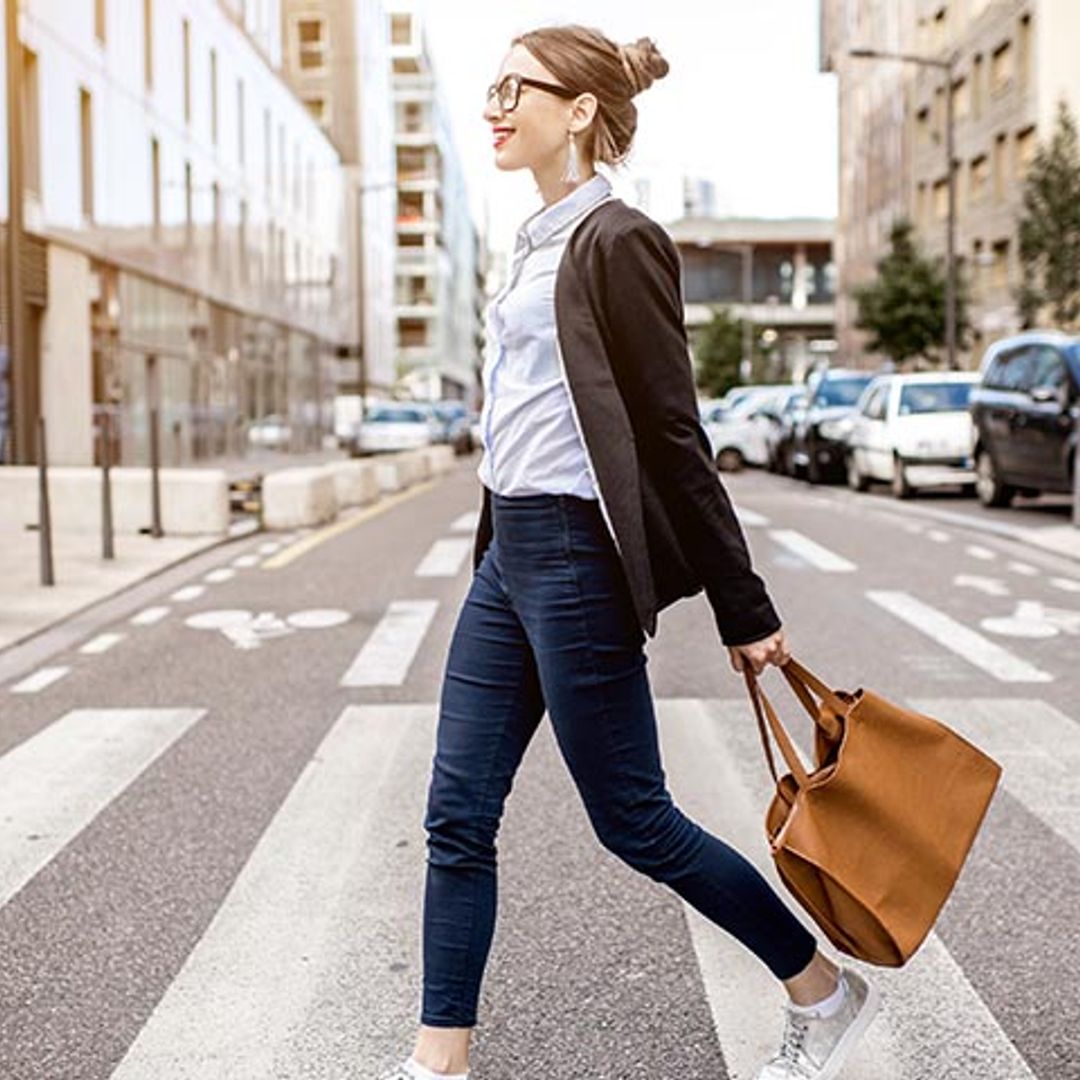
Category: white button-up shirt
[529,433]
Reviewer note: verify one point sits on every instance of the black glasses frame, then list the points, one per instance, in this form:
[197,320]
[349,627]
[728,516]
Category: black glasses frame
[515,82]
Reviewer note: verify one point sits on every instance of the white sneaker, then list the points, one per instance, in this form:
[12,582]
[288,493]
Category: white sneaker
[815,1047]
[401,1071]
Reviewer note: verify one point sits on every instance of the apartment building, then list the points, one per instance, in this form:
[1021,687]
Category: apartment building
[337,59]
[1014,60]
[440,273]
[183,216]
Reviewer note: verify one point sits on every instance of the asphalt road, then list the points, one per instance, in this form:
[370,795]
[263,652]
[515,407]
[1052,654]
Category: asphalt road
[211,793]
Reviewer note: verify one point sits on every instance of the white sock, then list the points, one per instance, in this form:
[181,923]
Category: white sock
[421,1073]
[827,1006]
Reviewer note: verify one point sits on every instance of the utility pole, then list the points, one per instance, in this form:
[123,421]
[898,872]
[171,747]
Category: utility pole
[21,399]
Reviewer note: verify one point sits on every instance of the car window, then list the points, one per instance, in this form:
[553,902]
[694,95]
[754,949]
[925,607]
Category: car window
[399,415]
[1048,368]
[934,397]
[840,391]
[1012,370]
[874,405]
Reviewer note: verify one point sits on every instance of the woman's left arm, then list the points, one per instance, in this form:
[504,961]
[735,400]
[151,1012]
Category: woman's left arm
[642,294]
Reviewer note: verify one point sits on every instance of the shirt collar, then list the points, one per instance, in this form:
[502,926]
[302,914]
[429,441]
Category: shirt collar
[548,220]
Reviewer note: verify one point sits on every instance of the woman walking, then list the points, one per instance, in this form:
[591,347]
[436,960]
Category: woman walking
[601,506]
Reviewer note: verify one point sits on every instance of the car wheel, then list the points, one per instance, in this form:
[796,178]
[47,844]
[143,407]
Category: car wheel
[992,491]
[901,488]
[856,480]
[729,460]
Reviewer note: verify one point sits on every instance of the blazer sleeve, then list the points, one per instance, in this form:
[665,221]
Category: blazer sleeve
[642,295]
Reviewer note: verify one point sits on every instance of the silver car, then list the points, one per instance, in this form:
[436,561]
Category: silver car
[395,426]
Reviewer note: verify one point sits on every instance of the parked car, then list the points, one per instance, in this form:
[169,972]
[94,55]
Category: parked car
[456,427]
[913,431]
[1025,410]
[272,432]
[395,425]
[738,434]
[819,438]
[778,438]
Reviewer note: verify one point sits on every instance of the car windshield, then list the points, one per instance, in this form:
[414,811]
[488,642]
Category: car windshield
[934,397]
[840,391]
[387,414]
[450,410]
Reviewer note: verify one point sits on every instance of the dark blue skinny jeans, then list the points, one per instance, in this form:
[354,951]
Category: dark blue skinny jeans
[548,623]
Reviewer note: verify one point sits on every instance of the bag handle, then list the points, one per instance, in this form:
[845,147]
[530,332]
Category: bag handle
[800,678]
[765,713]
[826,715]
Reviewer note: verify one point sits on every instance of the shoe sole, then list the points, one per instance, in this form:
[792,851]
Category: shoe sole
[853,1034]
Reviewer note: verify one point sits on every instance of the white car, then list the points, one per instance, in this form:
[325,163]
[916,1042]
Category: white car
[395,425]
[913,431]
[738,433]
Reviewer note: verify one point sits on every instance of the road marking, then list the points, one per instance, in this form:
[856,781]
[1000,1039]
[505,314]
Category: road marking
[1065,584]
[101,643]
[218,620]
[269,548]
[188,592]
[958,638]
[445,557]
[467,522]
[149,616]
[988,585]
[388,652]
[812,552]
[248,630]
[1032,618]
[53,784]
[290,938]
[40,679]
[931,1015]
[939,536]
[216,577]
[750,518]
[1026,569]
[246,561]
[317,619]
[314,539]
[977,551]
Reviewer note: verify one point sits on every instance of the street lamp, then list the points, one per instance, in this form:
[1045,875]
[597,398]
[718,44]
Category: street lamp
[948,65]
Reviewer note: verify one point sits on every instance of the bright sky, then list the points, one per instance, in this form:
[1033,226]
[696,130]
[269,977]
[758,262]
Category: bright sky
[743,105]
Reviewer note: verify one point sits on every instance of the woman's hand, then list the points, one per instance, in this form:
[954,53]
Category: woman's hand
[771,650]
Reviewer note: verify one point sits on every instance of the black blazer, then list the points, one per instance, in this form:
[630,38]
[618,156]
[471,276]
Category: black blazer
[622,340]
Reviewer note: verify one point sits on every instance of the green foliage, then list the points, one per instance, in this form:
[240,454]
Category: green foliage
[718,352]
[904,307]
[1049,229]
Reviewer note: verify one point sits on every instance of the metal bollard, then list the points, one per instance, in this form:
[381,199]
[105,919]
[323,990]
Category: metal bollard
[155,480]
[44,517]
[107,549]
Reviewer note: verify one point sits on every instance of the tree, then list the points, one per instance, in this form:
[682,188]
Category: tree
[1049,230]
[718,352]
[904,307]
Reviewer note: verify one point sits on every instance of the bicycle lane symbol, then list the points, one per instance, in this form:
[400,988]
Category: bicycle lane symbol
[249,630]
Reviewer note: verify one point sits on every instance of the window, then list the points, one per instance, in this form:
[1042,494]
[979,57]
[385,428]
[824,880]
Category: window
[961,98]
[86,145]
[148,43]
[1011,370]
[941,200]
[213,97]
[400,29]
[876,402]
[99,20]
[979,175]
[1048,368]
[240,137]
[186,45]
[1025,151]
[1001,166]
[999,276]
[934,397]
[1023,47]
[316,106]
[31,123]
[311,43]
[155,182]
[977,86]
[922,127]
[1001,68]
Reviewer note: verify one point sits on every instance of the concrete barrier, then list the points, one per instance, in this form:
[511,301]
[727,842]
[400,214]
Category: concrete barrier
[292,498]
[355,482]
[416,464]
[194,502]
[390,473]
[440,459]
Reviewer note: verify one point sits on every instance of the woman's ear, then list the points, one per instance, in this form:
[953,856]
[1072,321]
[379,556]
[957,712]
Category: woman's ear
[582,112]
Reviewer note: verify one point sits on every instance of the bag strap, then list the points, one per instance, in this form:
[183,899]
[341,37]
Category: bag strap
[800,678]
[764,711]
[824,715]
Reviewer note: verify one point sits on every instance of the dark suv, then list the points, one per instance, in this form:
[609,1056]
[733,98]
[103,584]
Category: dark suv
[818,442]
[1025,410]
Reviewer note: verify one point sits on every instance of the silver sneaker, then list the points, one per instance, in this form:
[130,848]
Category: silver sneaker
[815,1048]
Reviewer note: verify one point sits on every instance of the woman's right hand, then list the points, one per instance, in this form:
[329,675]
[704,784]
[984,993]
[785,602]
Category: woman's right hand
[758,654]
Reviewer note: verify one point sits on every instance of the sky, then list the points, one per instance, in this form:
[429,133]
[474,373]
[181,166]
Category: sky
[743,105]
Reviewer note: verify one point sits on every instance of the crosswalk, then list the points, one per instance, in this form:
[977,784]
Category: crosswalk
[311,962]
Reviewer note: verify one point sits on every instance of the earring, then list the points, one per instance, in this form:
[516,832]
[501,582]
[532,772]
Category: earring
[572,172]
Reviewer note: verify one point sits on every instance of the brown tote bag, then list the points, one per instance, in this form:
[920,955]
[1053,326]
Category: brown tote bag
[871,842]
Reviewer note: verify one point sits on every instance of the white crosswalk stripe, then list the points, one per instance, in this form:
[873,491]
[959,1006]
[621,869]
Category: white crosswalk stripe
[445,557]
[388,652]
[52,785]
[821,558]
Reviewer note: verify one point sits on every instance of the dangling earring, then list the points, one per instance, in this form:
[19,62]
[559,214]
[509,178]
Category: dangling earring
[572,172]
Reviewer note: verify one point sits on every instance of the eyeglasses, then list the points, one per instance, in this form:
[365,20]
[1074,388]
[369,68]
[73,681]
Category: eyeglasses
[508,91]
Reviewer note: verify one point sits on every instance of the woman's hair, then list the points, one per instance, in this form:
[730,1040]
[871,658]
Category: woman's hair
[586,61]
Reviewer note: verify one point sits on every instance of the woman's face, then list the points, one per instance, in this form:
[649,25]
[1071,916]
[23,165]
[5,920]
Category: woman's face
[536,130]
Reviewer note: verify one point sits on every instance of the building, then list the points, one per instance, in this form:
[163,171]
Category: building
[778,273]
[337,59]
[183,215]
[438,275]
[1014,62]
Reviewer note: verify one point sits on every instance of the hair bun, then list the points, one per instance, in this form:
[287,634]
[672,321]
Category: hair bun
[643,64]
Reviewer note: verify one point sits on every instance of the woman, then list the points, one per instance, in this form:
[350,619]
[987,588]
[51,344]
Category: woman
[601,506]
